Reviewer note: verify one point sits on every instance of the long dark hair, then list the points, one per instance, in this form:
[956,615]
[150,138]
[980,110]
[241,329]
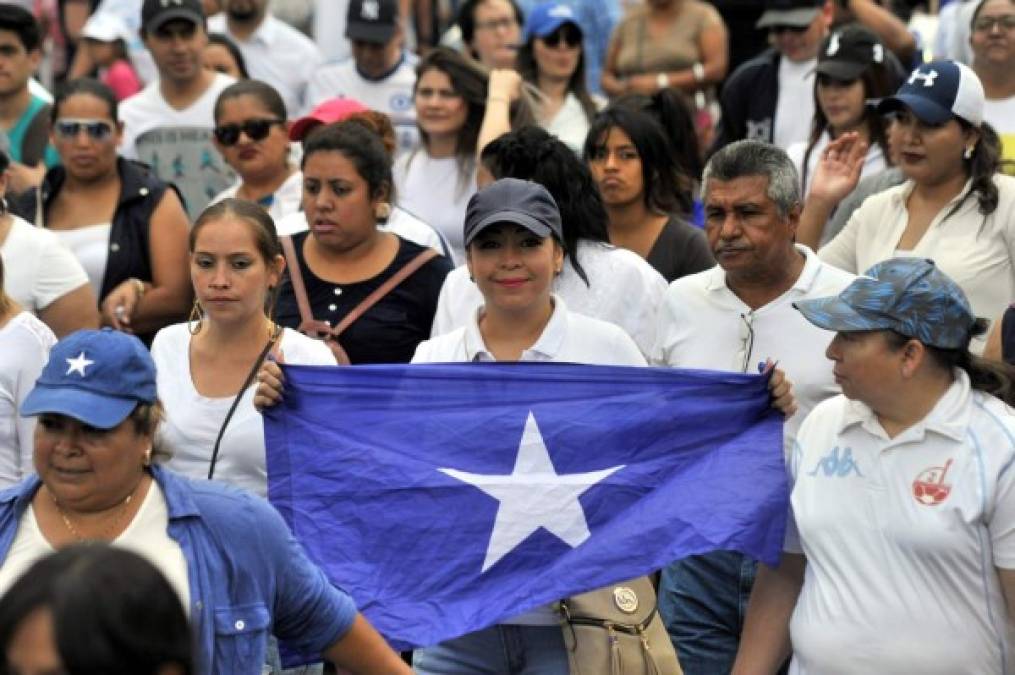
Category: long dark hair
[666,187]
[531,153]
[675,116]
[985,163]
[878,82]
[996,378]
[529,70]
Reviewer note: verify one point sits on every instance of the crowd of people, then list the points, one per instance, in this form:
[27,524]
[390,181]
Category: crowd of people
[196,193]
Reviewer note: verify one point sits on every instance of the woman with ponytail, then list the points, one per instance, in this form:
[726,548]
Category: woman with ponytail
[955,206]
[900,548]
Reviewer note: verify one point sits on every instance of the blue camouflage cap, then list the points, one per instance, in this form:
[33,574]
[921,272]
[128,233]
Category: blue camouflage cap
[910,296]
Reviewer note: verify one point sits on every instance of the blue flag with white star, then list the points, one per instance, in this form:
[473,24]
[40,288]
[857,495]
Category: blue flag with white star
[446,497]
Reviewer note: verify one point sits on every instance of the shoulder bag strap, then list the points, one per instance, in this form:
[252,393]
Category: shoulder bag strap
[275,335]
[398,277]
[296,277]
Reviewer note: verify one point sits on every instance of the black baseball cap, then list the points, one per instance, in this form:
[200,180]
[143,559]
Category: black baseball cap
[847,52]
[154,13]
[371,20]
[512,200]
[794,13]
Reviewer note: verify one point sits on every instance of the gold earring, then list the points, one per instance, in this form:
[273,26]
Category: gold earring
[148,456]
[382,211]
[968,154]
[195,318]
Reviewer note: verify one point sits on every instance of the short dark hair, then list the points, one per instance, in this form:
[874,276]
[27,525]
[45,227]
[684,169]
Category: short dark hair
[666,188]
[20,21]
[359,145]
[113,612]
[91,87]
[756,158]
[466,18]
[266,94]
[261,224]
[234,51]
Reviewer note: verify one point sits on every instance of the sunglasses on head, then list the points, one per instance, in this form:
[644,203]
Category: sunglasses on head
[97,130]
[571,36]
[256,130]
[776,30]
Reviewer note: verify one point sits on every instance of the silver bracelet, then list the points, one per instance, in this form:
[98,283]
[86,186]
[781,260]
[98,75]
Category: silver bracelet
[699,72]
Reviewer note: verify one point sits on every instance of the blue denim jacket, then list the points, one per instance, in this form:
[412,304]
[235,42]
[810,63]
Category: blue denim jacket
[248,576]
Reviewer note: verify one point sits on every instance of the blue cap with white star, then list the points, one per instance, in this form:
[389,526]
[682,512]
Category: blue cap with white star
[95,376]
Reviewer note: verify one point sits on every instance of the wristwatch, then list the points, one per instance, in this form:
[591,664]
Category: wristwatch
[663,80]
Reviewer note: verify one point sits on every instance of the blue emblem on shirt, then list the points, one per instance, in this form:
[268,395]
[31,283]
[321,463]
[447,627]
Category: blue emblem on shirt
[837,463]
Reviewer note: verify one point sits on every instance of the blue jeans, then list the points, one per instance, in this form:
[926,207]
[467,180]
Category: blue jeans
[497,650]
[703,600]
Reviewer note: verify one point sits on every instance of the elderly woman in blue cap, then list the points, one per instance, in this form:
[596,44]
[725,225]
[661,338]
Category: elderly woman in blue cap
[900,552]
[229,556]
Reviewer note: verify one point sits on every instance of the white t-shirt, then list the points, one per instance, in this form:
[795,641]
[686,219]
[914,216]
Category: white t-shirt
[975,250]
[873,163]
[24,349]
[38,268]
[902,537]
[434,190]
[568,337]
[90,245]
[329,28]
[391,95]
[278,54]
[794,109]
[147,535]
[570,124]
[703,324]
[288,198]
[193,421]
[1000,114]
[177,144]
[400,222]
[623,290]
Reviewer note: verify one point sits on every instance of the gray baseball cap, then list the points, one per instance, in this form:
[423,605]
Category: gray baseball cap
[511,200]
[795,13]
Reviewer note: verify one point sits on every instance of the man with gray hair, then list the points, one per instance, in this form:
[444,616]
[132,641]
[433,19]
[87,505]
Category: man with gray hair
[735,317]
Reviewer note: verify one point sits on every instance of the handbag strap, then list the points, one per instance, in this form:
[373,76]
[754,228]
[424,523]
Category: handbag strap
[236,401]
[296,277]
[398,277]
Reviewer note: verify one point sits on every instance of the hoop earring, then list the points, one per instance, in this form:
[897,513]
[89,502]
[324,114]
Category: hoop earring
[195,318]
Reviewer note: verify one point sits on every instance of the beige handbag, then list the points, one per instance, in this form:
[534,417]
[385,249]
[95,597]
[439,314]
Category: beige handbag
[617,631]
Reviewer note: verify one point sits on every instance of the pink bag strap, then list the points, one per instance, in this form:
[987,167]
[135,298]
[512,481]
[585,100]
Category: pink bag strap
[296,277]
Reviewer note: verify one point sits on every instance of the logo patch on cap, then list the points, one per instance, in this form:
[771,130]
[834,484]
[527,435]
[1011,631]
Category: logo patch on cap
[833,45]
[78,364]
[927,78]
[561,12]
[370,10]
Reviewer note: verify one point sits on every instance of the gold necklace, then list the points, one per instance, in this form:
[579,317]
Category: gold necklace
[106,531]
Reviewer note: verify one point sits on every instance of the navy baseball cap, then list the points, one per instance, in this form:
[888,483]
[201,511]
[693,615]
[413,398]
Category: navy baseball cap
[512,200]
[547,17]
[793,13]
[937,91]
[154,13]
[910,296]
[847,52]
[95,376]
[372,21]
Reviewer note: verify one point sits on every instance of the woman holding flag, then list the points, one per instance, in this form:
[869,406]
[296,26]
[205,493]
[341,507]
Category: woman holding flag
[513,242]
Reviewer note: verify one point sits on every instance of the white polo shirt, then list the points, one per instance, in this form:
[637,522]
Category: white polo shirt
[278,54]
[623,290]
[973,249]
[391,94]
[902,538]
[703,324]
[568,337]
[287,200]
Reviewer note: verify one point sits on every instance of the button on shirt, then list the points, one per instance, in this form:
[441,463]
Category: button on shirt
[973,249]
[703,324]
[278,54]
[902,538]
[241,586]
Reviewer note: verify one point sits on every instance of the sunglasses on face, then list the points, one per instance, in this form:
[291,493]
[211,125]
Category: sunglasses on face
[256,130]
[568,34]
[778,30]
[97,130]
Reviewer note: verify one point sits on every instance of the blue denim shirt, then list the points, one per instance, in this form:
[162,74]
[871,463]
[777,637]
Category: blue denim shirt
[248,576]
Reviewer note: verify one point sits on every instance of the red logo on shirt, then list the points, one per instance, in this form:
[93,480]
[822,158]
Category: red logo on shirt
[930,488]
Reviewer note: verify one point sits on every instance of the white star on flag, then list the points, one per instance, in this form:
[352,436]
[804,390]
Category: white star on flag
[78,364]
[533,495]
